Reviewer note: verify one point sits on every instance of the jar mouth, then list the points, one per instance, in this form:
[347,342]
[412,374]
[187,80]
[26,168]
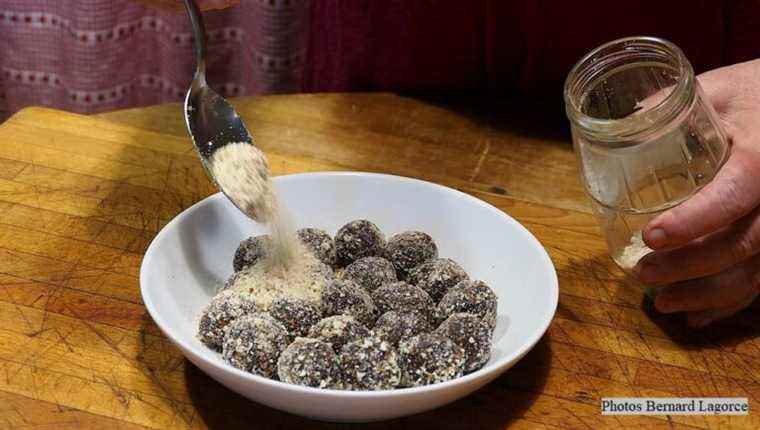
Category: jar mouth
[656,111]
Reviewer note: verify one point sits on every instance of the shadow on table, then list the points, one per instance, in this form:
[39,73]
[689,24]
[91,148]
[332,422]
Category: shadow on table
[599,272]
[492,407]
[724,334]
[538,118]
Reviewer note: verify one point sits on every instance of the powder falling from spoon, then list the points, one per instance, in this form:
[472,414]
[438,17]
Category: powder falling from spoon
[242,172]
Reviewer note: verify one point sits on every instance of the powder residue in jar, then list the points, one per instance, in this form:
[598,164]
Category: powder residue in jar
[633,253]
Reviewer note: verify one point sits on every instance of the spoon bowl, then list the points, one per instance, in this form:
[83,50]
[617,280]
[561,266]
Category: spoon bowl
[211,120]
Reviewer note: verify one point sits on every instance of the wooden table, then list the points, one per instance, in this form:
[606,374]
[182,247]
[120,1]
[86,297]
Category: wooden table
[81,198]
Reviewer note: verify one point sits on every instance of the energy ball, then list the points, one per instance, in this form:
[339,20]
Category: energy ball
[319,243]
[370,364]
[250,251]
[401,296]
[437,276]
[344,297]
[429,358]
[254,343]
[357,239]
[223,309]
[395,326]
[410,249]
[472,334]
[296,315]
[230,282]
[469,296]
[310,362]
[338,330]
[371,273]
[326,271]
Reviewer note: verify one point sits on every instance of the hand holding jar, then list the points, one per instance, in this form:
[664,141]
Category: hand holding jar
[672,166]
[708,247]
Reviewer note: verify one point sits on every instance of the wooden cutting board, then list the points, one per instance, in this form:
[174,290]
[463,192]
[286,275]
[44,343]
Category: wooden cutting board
[81,198]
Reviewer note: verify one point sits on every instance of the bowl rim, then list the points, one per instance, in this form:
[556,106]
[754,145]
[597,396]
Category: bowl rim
[483,372]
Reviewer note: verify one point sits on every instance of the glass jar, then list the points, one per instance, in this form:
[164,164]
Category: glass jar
[645,137]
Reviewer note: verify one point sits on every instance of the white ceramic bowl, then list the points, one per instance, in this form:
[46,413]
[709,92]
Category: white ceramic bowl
[192,255]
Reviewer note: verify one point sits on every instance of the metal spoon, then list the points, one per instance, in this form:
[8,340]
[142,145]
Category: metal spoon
[211,121]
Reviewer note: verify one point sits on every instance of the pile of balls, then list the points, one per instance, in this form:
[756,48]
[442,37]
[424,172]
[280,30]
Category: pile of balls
[392,315]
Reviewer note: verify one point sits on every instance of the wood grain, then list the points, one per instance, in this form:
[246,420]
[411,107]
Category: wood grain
[81,198]
[494,150]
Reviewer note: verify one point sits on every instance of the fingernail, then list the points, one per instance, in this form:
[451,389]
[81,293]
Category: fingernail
[656,238]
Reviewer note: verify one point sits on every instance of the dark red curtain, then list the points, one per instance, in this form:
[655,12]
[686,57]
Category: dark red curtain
[505,46]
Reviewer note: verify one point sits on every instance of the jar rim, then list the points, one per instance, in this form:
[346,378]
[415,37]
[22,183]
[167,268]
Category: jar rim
[627,131]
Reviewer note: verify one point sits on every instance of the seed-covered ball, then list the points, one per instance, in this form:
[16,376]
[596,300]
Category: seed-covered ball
[371,273]
[254,343]
[296,315]
[324,270]
[469,296]
[230,282]
[310,362]
[395,326]
[401,296]
[472,334]
[319,243]
[410,249]
[338,330]
[370,364]
[357,239]
[344,297]
[250,251]
[223,309]
[429,358]
[437,276]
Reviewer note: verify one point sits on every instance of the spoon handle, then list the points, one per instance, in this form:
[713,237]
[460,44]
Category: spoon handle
[199,37]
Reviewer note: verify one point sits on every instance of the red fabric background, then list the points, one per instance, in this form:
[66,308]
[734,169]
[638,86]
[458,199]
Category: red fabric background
[505,46]
[95,55]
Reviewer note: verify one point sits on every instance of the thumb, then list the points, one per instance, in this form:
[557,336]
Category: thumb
[732,194]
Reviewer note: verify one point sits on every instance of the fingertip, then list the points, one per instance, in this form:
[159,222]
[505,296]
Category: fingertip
[648,275]
[647,270]
[663,303]
[655,237]
[698,320]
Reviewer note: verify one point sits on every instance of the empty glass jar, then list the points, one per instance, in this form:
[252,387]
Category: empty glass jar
[645,137]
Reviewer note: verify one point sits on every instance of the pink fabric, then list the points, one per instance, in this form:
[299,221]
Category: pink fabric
[96,55]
